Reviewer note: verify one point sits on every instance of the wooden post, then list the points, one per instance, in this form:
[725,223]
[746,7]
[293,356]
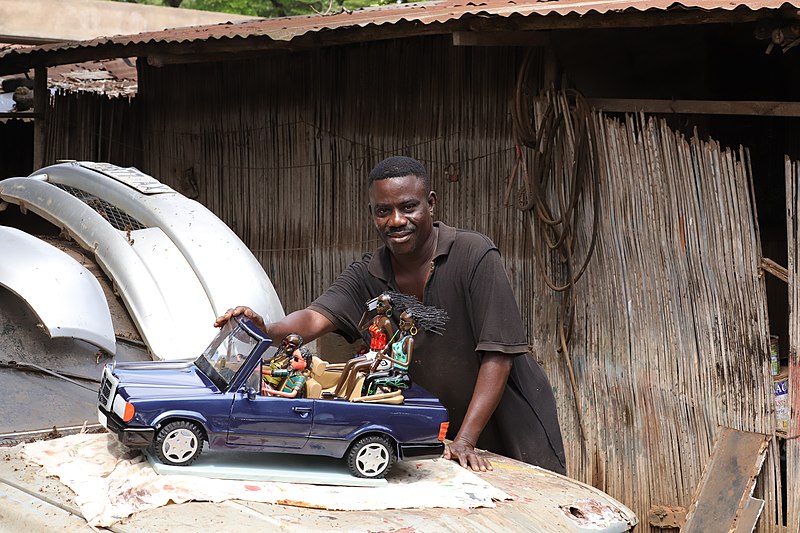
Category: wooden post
[41,106]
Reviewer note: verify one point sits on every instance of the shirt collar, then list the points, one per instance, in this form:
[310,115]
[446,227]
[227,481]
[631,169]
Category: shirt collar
[380,265]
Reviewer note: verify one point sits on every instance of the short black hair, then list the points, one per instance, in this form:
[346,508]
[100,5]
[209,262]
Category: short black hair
[399,166]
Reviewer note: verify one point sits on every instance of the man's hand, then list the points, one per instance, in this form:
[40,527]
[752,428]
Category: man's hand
[242,310]
[464,453]
[492,377]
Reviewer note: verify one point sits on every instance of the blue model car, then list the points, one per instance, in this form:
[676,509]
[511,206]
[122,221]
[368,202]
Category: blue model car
[172,407]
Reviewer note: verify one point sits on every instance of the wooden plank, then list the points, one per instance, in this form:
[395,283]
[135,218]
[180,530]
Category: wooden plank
[41,105]
[725,489]
[752,511]
[24,115]
[792,176]
[697,107]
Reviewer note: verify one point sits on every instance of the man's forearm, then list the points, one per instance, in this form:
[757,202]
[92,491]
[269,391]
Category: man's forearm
[307,323]
[492,376]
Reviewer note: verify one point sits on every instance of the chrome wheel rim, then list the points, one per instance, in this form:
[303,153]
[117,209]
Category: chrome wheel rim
[372,459]
[180,445]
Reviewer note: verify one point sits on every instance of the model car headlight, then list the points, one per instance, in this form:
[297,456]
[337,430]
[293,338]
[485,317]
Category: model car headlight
[123,409]
[443,430]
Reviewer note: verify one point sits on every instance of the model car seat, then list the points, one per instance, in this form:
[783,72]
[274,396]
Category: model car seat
[317,379]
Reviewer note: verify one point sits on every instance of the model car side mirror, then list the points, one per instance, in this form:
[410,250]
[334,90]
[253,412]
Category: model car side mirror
[249,391]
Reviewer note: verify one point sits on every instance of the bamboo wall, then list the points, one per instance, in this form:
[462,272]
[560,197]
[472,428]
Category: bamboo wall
[92,127]
[671,330]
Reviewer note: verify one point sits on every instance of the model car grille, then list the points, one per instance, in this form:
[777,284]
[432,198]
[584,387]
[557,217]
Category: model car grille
[108,387]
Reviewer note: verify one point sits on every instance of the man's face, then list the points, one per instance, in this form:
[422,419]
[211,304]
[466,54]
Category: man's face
[402,213]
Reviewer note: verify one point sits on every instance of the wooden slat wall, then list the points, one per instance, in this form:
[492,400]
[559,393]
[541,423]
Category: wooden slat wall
[92,127]
[281,148]
[672,327]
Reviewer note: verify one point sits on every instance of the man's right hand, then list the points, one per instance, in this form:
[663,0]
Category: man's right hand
[242,310]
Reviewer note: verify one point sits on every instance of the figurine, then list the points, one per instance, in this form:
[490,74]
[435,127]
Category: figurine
[396,377]
[282,358]
[381,333]
[295,378]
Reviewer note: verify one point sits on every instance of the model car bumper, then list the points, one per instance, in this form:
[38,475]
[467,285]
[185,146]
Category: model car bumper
[129,436]
[421,451]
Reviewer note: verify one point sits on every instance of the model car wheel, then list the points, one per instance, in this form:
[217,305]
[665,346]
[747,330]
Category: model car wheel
[179,443]
[371,457]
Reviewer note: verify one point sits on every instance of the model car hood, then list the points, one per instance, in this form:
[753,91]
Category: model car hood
[162,379]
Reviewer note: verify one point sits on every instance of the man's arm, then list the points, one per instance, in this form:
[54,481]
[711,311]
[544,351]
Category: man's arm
[308,323]
[492,376]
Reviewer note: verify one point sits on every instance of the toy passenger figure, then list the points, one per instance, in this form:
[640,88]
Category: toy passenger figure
[399,353]
[283,357]
[295,377]
[381,332]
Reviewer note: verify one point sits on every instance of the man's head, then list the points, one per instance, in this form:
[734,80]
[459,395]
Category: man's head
[401,204]
[397,167]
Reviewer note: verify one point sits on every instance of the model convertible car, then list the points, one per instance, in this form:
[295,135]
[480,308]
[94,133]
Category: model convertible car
[172,407]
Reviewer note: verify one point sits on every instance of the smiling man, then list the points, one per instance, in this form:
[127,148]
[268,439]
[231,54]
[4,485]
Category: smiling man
[497,395]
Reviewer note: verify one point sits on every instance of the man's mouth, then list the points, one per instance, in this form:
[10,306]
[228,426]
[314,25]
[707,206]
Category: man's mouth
[399,236]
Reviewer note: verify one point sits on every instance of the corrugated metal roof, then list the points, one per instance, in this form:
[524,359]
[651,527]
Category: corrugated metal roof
[424,13]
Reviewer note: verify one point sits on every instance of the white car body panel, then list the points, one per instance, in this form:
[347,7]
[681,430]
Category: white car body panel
[133,279]
[226,268]
[176,275]
[63,294]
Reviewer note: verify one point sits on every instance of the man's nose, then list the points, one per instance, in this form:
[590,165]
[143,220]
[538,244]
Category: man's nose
[397,218]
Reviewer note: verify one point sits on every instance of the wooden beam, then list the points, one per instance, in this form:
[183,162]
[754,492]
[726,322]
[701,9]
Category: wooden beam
[41,106]
[501,38]
[697,107]
[24,115]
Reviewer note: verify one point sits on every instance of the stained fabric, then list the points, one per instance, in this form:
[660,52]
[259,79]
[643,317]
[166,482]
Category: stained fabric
[469,282]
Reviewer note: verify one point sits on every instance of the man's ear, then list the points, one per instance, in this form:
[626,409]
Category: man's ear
[369,206]
[431,201]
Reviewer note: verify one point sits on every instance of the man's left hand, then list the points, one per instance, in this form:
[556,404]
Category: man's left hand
[464,453]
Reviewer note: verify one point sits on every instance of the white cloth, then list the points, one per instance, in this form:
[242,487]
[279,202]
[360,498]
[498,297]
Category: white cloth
[112,482]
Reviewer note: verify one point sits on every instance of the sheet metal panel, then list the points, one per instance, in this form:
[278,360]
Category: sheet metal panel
[224,266]
[64,295]
[287,28]
[170,329]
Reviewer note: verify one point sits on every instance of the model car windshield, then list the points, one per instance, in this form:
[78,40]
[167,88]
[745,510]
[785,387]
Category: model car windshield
[226,353]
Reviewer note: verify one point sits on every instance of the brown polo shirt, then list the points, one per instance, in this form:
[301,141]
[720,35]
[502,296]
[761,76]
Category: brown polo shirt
[470,283]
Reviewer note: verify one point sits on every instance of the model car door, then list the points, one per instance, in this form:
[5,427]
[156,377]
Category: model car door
[270,422]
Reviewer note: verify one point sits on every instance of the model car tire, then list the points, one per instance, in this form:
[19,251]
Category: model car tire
[178,443]
[371,457]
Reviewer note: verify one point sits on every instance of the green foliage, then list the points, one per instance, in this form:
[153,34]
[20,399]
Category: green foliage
[268,8]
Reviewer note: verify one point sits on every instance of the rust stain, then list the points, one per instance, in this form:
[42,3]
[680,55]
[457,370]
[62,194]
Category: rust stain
[592,513]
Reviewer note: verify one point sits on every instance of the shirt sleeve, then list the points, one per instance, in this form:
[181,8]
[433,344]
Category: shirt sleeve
[496,320]
[343,302]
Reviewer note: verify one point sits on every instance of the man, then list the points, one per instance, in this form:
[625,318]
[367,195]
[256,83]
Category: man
[498,397]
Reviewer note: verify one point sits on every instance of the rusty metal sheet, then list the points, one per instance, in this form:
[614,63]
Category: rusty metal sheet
[723,496]
[288,28]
